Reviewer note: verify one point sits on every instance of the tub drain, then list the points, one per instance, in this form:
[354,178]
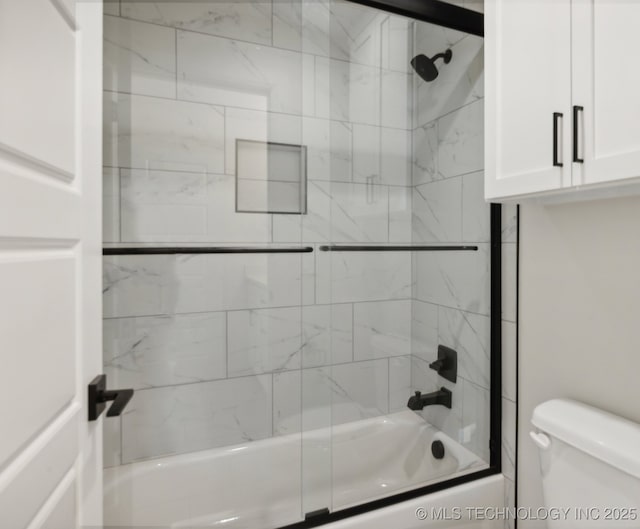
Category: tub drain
[437,449]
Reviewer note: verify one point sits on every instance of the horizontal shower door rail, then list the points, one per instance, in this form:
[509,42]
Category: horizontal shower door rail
[370,248]
[173,250]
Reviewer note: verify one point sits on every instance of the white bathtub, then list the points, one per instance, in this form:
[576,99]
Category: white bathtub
[269,483]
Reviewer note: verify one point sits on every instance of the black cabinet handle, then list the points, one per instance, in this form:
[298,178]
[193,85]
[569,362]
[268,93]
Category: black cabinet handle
[556,117]
[576,135]
[99,396]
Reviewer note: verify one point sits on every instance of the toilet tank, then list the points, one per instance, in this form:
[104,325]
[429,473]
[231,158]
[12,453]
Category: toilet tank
[590,466]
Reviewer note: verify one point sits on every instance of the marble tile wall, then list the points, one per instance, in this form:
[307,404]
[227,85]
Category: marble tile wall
[181,85]
[453,309]
[451,290]
[227,348]
[224,349]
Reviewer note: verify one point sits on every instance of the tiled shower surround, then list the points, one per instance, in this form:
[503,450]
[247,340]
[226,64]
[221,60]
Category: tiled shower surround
[224,349]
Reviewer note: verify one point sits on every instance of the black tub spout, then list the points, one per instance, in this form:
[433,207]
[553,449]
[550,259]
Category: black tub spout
[419,401]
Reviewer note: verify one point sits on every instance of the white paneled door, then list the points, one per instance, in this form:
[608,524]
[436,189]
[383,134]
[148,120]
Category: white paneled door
[50,262]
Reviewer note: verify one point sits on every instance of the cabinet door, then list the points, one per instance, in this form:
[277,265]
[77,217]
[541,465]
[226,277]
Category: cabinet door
[528,73]
[606,42]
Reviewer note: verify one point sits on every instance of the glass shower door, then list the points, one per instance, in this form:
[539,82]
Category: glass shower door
[294,226]
[206,277]
[402,235]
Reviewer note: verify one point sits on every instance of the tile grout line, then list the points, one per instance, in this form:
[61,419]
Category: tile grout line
[119,173]
[388,385]
[315,273]
[254,43]
[234,244]
[278,307]
[299,115]
[462,216]
[121,455]
[226,345]
[276,372]
[353,332]
[448,113]
[254,309]
[272,36]
[175,31]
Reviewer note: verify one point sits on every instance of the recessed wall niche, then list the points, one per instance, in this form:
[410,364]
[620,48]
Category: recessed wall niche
[271,177]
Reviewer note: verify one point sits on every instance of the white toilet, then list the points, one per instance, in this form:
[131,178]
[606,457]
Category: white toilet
[590,465]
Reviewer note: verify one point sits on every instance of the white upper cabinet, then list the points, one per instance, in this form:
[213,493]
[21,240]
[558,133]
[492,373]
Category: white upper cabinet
[562,99]
[528,81]
[606,43]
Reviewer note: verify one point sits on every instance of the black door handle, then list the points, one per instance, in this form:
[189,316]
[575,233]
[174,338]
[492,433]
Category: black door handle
[99,396]
[556,116]
[576,135]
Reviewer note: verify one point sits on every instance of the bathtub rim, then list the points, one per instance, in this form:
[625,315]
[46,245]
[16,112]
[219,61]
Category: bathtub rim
[323,518]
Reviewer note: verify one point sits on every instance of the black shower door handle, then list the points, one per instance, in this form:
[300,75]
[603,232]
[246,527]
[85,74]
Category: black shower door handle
[576,135]
[99,396]
[557,116]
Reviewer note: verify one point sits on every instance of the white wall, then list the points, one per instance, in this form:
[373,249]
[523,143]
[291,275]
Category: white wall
[579,316]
